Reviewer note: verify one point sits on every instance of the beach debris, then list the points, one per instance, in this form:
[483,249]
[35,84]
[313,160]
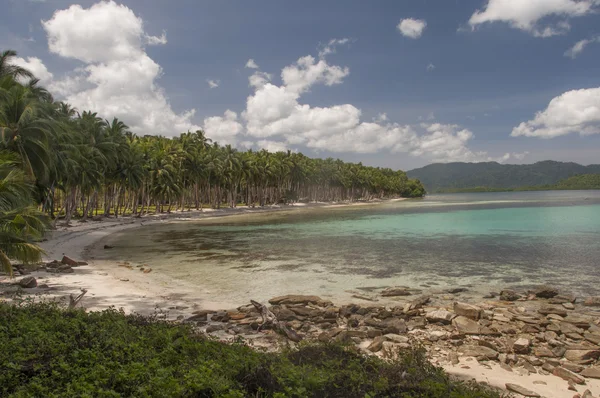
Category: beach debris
[269,318]
[28,282]
[521,390]
[73,301]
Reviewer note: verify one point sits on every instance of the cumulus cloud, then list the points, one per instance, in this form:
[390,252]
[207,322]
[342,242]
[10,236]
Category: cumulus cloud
[213,83]
[412,28]
[118,78]
[35,66]
[576,111]
[538,17]
[251,64]
[223,129]
[307,71]
[259,79]
[157,40]
[578,47]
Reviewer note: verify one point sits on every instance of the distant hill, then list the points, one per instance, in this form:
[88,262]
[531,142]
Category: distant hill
[439,177]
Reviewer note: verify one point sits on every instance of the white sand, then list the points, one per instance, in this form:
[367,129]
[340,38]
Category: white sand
[554,387]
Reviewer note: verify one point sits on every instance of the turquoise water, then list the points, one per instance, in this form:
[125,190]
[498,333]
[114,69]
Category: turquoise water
[485,241]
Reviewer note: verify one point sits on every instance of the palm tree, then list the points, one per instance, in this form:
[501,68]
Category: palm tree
[7,68]
[20,222]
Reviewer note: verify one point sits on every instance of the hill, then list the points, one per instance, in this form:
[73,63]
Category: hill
[439,177]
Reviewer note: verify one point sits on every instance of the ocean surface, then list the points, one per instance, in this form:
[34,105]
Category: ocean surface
[484,241]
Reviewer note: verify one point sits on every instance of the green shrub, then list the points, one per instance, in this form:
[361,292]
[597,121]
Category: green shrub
[46,351]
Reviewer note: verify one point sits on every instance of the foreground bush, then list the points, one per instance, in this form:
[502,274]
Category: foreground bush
[48,352]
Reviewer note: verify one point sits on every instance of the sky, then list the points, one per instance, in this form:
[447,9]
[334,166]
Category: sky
[396,84]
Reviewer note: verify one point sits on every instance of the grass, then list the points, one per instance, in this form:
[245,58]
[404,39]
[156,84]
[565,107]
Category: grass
[46,351]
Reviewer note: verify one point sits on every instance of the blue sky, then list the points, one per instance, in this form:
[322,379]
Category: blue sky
[493,65]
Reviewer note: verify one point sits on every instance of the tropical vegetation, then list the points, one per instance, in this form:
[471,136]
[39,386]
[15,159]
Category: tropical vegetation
[74,163]
[49,352]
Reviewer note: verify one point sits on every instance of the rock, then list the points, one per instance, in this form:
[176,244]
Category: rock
[546,292]
[377,344]
[568,375]
[417,322]
[440,316]
[586,394]
[521,390]
[581,355]
[592,338]
[467,310]
[521,346]
[478,351]
[457,290]
[372,333]
[509,295]
[106,247]
[592,372]
[395,326]
[568,306]
[69,261]
[417,303]
[65,269]
[551,309]
[395,291]
[543,352]
[465,325]
[593,301]
[573,367]
[562,298]
[566,328]
[295,299]
[453,358]
[28,282]
[214,328]
[396,338]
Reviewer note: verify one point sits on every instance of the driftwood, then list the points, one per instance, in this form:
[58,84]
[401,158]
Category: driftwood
[73,301]
[269,318]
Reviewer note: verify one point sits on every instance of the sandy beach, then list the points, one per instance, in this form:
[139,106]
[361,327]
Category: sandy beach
[121,285]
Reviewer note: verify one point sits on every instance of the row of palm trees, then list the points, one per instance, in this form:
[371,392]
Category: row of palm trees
[76,164]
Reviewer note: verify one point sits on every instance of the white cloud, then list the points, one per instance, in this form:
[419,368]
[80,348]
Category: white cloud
[251,64]
[576,111]
[412,28]
[329,48]
[532,15]
[259,79]
[382,117]
[579,46]
[157,40]
[272,146]
[430,67]
[35,66]
[307,71]
[118,78]
[213,83]
[223,129]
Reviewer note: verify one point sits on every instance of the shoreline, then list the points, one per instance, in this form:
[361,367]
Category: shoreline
[111,285]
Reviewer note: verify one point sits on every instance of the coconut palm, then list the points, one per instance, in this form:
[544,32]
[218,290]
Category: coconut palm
[8,68]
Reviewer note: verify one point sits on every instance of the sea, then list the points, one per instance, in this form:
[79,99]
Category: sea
[483,242]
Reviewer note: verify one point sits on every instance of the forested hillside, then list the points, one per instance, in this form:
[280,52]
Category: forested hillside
[440,177]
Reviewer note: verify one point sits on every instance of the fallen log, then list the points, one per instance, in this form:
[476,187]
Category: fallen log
[73,301]
[269,318]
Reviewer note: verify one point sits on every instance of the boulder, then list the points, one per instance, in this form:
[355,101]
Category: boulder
[440,316]
[521,346]
[396,338]
[465,325]
[593,301]
[467,310]
[69,261]
[591,372]
[214,328]
[65,269]
[28,282]
[395,326]
[552,309]
[562,298]
[592,338]
[546,292]
[509,295]
[295,299]
[478,352]
[582,355]
[567,375]
[521,390]
[396,291]
[417,303]
[543,352]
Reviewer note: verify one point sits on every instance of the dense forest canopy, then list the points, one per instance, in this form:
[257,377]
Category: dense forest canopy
[73,163]
[492,176]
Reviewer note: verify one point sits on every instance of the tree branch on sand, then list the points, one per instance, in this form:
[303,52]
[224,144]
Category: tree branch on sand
[73,301]
[269,318]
